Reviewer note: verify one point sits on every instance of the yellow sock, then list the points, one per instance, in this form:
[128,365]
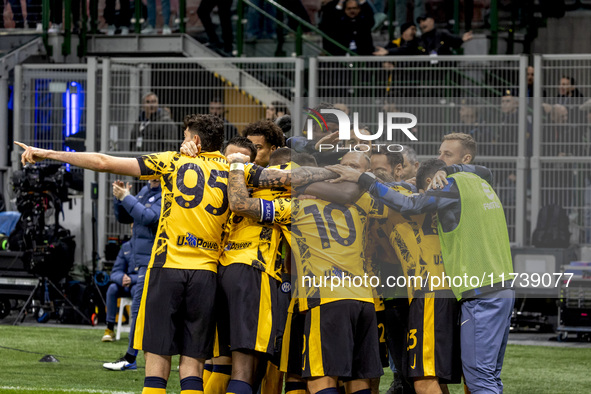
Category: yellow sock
[218,381]
[191,392]
[152,390]
[273,381]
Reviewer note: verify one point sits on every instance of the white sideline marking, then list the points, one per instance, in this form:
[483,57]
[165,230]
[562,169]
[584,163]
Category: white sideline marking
[64,390]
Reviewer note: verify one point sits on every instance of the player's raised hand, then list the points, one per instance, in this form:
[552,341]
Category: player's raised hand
[237,158]
[439,180]
[346,174]
[189,148]
[31,154]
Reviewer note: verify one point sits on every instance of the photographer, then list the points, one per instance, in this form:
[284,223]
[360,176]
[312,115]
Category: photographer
[143,211]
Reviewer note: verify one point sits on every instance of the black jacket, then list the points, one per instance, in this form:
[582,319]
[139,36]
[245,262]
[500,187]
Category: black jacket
[337,25]
[440,41]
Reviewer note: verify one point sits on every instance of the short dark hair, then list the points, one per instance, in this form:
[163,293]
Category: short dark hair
[427,169]
[209,128]
[466,140]
[243,142]
[284,124]
[280,156]
[272,133]
[394,158]
[571,79]
[303,159]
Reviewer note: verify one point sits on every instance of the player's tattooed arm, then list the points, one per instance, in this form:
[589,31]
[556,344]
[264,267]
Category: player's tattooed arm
[273,177]
[296,177]
[239,199]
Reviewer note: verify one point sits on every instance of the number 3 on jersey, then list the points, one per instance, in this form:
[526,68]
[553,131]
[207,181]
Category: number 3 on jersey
[197,191]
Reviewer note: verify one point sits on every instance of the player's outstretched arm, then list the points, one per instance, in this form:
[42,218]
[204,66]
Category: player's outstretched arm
[88,160]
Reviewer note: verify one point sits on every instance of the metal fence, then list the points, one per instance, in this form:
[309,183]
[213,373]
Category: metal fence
[536,143]
[561,166]
[480,95]
[239,90]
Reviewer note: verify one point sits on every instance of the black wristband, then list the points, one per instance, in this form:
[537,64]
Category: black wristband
[366,180]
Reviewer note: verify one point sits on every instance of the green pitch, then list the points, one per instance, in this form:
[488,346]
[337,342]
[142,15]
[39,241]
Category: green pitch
[527,369]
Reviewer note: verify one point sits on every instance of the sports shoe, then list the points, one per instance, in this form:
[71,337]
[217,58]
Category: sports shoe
[120,365]
[111,30]
[109,336]
[166,30]
[55,28]
[148,30]
[124,30]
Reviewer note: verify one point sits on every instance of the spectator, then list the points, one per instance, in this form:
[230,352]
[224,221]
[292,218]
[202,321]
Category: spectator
[123,281]
[225,14]
[438,41]
[298,9]
[349,22]
[508,130]
[143,211]
[155,130]
[56,14]
[406,45]
[17,13]
[276,110]
[312,7]
[260,26]
[567,90]
[402,9]
[124,17]
[216,107]
[34,9]
[151,28]
[471,122]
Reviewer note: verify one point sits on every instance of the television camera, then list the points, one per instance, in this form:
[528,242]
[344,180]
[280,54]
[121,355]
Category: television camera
[40,192]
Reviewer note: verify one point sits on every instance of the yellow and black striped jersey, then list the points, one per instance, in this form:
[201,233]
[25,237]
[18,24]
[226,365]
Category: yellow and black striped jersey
[329,241]
[194,208]
[416,242]
[252,242]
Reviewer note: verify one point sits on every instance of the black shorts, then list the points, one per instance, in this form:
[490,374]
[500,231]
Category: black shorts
[293,344]
[341,339]
[246,305]
[176,313]
[381,320]
[433,340]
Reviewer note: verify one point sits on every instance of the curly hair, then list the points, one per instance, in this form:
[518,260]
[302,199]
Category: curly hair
[272,133]
[209,128]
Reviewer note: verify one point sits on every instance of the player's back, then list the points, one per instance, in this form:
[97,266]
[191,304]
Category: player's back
[194,208]
[329,241]
[416,242]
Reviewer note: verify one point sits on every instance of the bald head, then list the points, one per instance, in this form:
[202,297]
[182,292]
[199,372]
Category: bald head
[357,160]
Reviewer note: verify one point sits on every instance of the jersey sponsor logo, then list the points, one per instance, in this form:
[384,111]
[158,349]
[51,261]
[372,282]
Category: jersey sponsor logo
[488,191]
[195,242]
[286,287]
[237,245]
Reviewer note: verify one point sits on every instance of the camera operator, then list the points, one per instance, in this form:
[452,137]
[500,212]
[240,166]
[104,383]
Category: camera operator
[143,211]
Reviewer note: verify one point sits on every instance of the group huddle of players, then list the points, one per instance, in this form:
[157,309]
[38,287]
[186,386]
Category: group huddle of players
[236,218]
[321,336]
